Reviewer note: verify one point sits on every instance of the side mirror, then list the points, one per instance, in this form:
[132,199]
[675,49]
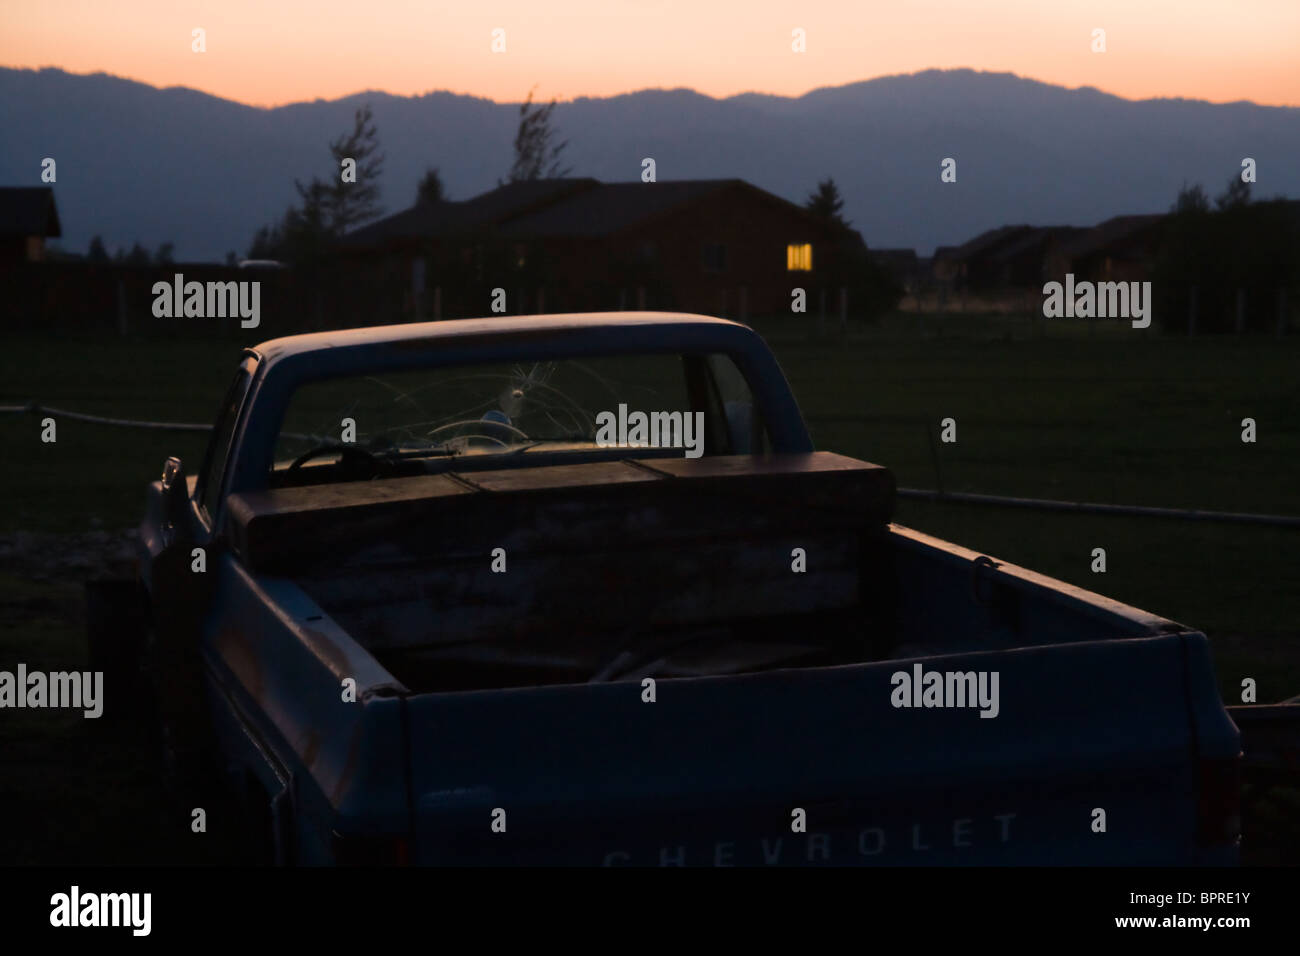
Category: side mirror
[176,491]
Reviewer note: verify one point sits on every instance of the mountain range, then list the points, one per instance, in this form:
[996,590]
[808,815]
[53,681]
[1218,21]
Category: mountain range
[135,162]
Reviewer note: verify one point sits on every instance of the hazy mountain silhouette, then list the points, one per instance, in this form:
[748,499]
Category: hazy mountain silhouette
[138,162]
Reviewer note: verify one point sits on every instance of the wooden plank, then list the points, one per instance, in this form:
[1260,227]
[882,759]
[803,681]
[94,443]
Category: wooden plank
[557,477]
[561,508]
[600,591]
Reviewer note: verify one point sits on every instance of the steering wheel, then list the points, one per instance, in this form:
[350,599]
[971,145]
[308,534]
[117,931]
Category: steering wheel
[478,423]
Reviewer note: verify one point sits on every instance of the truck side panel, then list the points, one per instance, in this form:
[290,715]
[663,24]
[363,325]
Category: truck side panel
[593,774]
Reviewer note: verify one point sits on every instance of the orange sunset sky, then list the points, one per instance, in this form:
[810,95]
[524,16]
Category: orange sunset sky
[271,52]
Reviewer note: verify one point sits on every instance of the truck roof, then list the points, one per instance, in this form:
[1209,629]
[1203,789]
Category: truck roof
[642,328]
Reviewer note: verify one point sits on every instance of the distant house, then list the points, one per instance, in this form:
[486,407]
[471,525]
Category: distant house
[1120,249]
[970,265]
[721,246]
[1004,258]
[27,218]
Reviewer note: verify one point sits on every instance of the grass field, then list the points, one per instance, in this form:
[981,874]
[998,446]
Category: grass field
[1107,415]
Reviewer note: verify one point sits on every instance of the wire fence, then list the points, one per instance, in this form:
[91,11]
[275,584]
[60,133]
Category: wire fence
[32,408]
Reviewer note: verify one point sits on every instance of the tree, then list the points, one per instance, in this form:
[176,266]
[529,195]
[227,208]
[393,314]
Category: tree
[537,154]
[349,204]
[138,256]
[1235,196]
[163,256]
[1214,261]
[328,208]
[97,252]
[1191,200]
[430,189]
[826,202]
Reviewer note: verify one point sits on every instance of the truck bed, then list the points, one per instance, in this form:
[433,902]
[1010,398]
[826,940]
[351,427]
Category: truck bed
[671,567]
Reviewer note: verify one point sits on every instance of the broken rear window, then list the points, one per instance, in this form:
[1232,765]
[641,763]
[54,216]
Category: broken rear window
[373,426]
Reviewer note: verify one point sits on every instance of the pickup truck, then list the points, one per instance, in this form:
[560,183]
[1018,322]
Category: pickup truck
[577,589]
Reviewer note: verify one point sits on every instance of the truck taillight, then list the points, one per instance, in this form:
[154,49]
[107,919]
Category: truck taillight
[1218,805]
[371,850]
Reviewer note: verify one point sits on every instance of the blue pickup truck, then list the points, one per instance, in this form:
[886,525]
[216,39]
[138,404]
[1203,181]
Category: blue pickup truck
[578,589]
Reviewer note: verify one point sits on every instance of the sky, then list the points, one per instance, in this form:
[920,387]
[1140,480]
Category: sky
[272,52]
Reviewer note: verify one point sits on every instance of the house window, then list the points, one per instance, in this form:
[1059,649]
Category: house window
[798,258]
[715,257]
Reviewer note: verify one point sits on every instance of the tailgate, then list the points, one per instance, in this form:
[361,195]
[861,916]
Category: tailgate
[712,771]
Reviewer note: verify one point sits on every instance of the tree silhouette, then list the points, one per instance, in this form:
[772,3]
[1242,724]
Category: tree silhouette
[349,204]
[1191,200]
[430,189]
[537,154]
[826,202]
[138,256]
[97,252]
[328,208]
[1235,196]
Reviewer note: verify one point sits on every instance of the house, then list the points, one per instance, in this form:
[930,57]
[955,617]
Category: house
[1008,257]
[969,266]
[1121,249]
[27,218]
[720,246]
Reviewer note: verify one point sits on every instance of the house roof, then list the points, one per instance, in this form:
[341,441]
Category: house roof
[558,208]
[610,208]
[28,211]
[484,211]
[986,242]
[1034,239]
[1110,232]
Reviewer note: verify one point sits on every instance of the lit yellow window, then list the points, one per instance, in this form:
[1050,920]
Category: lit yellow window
[799,258]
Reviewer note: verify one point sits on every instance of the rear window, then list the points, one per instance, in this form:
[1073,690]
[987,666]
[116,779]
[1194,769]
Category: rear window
[382,424]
